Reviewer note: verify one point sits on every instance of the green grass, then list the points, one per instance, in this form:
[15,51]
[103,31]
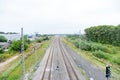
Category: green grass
[101,63]
[83,73]
[14,71]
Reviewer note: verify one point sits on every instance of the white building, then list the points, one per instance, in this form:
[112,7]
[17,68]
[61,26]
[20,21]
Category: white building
[11,37]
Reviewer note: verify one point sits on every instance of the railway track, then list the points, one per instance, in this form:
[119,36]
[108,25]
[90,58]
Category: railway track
[44,70]
[48,64]
[57,64]
[70,65]
[59,67]
[47,70]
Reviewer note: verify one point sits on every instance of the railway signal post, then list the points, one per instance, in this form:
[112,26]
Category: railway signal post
[108,72]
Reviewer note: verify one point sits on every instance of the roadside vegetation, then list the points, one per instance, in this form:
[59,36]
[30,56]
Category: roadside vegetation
[14,72]
[3,39]
[106,34]
[2,55]
[14,48]
[96,51]
[43,38]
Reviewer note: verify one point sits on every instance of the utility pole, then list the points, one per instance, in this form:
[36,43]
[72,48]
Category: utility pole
[35,55]
[79,37]
[22,55]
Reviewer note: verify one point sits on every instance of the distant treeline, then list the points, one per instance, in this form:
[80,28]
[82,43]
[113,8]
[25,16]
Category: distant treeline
[8,33]
[107,34]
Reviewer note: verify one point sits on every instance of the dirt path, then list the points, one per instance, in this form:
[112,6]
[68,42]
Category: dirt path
[4,64]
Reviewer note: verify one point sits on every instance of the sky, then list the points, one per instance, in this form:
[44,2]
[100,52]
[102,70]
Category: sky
[57,16]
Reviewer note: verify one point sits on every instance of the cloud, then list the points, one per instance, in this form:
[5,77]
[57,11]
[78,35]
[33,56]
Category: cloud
[60,15]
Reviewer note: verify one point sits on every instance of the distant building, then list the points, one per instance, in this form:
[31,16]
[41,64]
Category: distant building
[4,45]
[31,37]
[11,37]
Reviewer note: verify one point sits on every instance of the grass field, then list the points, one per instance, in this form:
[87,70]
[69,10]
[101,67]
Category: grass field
[101,63]
[14,71]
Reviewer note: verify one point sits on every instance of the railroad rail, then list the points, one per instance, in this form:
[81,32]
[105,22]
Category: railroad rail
[57,64]
[70,65]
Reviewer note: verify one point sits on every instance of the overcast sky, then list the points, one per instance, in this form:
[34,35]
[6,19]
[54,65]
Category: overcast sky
[57,16]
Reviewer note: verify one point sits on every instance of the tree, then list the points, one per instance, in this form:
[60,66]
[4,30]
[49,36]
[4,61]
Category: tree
[2,32]
[104,34]
[1,50]
[16,45]
[26,40]
[3,39]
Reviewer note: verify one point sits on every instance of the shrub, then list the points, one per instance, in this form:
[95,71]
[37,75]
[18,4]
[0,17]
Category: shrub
[76,44]
[117,61]
[46,38]
[42,39]
[101,54]
[16,46]
[3,39]
[4,56]
[96,46]
[1,51]
[39,40]
[113,51]
[90,46]
[85,46]
[28,41]
[1,57]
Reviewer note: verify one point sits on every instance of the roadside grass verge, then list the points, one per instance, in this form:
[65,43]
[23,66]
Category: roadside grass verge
[14,72]
[99,62]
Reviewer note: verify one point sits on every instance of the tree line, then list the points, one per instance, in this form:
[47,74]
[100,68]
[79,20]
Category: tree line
[107,34]
[8,33]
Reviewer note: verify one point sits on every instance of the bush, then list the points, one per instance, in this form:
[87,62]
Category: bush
[46,38]
[39,40]
[42,39]
[101,54]
[90,46]
[76,44]
[16,45]
[28,41]
[85,46]
[3,39]
[96,46]
[113,51]
[4,56]
[1,51]
[117,60]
